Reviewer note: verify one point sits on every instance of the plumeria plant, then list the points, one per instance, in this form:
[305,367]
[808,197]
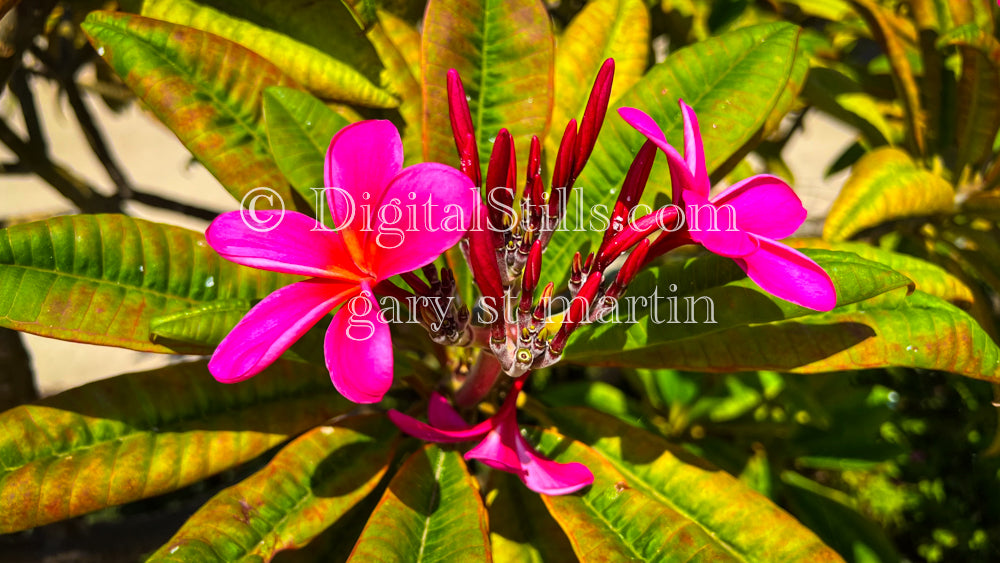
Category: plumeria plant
[477,298]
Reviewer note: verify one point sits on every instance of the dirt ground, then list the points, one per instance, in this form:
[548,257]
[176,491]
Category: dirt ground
[157,162]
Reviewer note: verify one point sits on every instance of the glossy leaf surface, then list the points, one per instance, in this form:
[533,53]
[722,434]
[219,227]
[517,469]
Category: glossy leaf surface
[299,130]
[653,501]
[617,29]
[325,75]
[885,184]
[504,52]
[308,486]
[100,279]
[187,78]
[431,511]
[140,435]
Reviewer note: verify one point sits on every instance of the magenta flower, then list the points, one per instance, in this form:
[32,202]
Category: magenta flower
[429,210]
[502,446]
[742,222]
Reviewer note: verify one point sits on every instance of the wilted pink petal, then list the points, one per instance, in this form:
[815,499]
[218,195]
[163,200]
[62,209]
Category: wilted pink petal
[498,449]
[764,205]
[787,273]
[441,415]
[273,325]
[549,477]
[359,350]
[293,247]
[425,210]
[429,433]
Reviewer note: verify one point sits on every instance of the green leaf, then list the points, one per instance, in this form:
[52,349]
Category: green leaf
[886,184]
[299,130]
[309,485]
[597,395]
[617,29]
[683,299]
[977,115]
[310,66]
[398,44]
[100,279]
[844,98]
[504,52]
[732,81]
[189,79]
[521,529]
[431,511]
[140,435]
[921,332]
[857,538]
[653,501]
[927,277]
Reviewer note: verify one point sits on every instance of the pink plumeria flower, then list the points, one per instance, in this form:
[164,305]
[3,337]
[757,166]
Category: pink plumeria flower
[502,446]
[752,214]
[364,162]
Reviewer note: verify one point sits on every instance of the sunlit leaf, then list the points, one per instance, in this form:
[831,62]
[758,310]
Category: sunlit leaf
[100,279]
[398,44]
[308,486]
[431,511]
[617,29]
[929,278]
[521,528]
[188,78]
[885,28]
[140,435]
[299,129]
[683,298]
[653,501]
[504,52]
[977,116]
[885,184]
[323,74]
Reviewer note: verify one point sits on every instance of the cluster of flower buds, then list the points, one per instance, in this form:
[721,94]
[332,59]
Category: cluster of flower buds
[505,253]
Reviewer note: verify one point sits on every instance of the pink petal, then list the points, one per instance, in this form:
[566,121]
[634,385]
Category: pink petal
[442,415]
[499,448]
[787,273]
[694,150]
[292,246]
[764,205]
[681,178]
[362,159]
[425,210]
[716,228]
[273,325]
[428,433]
[549,477]
[359,350]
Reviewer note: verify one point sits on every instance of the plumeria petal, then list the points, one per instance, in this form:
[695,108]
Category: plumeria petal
[764,205]
[361,161]
[715,227]
[425,210]
[694,150]
[549,477]
[429,433]
[273,325]
[441,415]
[294,246]
[787,273]
[359,350]
[681,179]
[499,448]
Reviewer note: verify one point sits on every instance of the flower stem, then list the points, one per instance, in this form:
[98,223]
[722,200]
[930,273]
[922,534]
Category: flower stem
[479,383]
